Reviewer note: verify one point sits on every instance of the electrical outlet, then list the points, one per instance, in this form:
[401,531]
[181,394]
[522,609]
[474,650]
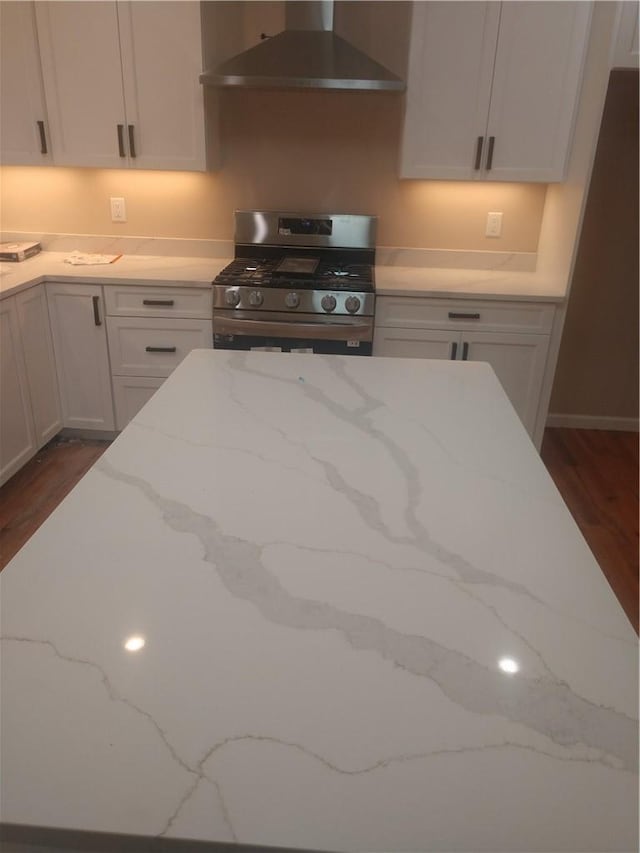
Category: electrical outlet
[494,224]
[118,210]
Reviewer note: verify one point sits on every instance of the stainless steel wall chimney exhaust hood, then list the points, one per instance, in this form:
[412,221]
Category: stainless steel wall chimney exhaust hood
[307,55]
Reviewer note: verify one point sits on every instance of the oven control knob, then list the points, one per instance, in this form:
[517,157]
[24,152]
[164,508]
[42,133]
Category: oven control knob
[292,300]
[352,303]
[256,298]
[232,297]
[328,302]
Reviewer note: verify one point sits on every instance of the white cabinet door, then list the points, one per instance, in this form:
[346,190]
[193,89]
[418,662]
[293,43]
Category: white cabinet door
[80,51]
[519,363]
[492,89]
[40,363]
[449,87]
[24,130]
[130,394]
[536,80]
[161,62]
[415,343]
[82,360]
[122,83]
[17,441]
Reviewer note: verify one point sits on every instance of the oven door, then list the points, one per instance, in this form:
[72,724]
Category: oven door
[283,333]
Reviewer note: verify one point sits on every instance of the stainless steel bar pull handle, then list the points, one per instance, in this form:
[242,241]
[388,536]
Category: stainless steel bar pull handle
[165,303]
[96,310]
[454,350]
[462,315]
[465,350]
[160,349]
[492,142]
[43,138]
[132,144]
[479,145]
[121,150]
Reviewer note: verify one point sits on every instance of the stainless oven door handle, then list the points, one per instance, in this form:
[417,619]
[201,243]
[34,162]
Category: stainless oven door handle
[271,329]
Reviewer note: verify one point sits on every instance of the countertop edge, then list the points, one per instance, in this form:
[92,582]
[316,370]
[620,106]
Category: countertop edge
[471,284]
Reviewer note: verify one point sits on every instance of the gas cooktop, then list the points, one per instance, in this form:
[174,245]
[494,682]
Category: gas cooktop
[302,273]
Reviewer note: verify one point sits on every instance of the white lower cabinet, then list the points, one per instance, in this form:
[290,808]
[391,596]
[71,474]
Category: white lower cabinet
[17,437]
[153,347]
[37,343]
[130,394]
[512,337]
[29,402]
[150,331]
[82,360]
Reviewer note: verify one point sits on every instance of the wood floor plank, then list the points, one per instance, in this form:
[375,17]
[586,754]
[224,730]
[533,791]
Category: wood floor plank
[596,472]
[31,495]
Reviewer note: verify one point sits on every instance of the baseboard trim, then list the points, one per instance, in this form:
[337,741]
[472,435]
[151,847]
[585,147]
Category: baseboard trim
[593,422]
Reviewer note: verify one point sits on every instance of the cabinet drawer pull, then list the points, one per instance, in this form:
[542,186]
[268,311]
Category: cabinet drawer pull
[465,350]
[454,350]
[492,142]
[479,145]
[96,310]
[132,144]
[121,150]
[461,315]
[166,303]
[160,349]
[43,138]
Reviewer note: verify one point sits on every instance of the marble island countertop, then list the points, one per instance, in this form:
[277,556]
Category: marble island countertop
[200,272]
[327,557]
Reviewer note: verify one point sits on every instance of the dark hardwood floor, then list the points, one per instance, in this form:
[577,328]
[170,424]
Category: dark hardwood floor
[31,495]
[596,472]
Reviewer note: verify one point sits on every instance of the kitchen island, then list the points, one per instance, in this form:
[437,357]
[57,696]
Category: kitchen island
[370,624]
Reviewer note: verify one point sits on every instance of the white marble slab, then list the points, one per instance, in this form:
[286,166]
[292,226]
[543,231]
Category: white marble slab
[399,272]
[129,269]
[468,283]
[327,558]
[456,259]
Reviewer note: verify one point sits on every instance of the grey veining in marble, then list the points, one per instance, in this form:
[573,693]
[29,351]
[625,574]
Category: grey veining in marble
[327,557]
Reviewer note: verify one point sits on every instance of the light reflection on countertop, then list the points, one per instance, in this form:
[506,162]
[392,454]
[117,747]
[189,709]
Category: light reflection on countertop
[330,571]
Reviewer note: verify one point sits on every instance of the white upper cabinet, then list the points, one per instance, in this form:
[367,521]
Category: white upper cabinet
[81,63]
[448,88]
[492,89]
[161,63]
[536,81]
[121,83]
[24,131]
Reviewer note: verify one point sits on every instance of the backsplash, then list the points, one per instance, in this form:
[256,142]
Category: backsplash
[295,151]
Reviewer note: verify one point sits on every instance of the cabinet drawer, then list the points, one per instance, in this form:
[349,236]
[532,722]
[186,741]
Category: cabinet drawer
[146,347]
[128,301]
[418,313]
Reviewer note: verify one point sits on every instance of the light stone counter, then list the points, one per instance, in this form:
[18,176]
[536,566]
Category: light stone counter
[467,283]
[200,272]
[129,269]
[327,557]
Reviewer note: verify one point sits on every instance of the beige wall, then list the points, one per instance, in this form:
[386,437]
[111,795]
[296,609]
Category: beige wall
[306,151]
[597,371]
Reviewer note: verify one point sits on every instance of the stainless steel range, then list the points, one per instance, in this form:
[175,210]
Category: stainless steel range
[299,283]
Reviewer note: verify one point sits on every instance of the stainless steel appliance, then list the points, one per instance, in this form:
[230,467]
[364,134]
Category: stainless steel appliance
[307,55]
[299,283]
